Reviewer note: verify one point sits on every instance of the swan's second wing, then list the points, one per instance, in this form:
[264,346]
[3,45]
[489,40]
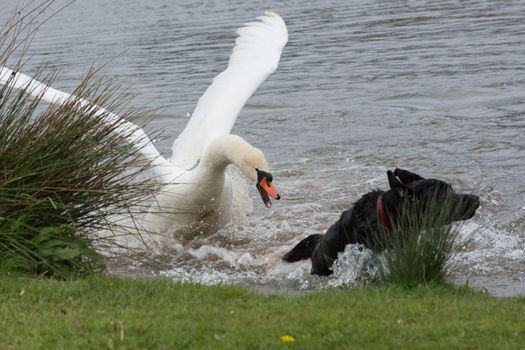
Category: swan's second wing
[164,171]
[255,56]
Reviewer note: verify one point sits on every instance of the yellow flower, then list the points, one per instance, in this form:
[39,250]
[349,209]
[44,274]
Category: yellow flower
[287,339]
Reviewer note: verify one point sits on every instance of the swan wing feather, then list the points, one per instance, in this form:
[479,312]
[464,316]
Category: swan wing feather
[162,168]
[255,56]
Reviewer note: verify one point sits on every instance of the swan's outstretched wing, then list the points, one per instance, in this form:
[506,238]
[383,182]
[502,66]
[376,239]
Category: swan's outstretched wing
[162,168]
[255,56]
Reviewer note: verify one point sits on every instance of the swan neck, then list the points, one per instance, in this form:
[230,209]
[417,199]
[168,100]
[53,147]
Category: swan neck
[226,150]
[218,155]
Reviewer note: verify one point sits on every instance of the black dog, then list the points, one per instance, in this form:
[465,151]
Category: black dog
[362,222]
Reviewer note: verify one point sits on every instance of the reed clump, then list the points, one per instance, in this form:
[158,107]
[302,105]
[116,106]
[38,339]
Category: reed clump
[417,248]
[64,170]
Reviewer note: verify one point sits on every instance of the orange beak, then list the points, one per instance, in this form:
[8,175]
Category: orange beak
[269,188]
[265,187]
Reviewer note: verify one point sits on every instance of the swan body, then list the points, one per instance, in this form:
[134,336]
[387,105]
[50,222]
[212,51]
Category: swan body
[197,191]
[207,188]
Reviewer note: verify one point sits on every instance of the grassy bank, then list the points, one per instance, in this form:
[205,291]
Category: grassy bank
[119,313]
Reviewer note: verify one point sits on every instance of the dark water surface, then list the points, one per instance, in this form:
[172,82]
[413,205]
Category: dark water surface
[436,87]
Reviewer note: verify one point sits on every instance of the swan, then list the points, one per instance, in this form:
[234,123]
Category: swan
[197,191]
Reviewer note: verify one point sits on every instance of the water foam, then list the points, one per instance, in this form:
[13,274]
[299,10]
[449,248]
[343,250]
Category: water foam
[248,250]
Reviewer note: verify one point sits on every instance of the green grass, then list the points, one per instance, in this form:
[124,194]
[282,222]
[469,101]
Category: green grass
[64,170]
[101,312]
[418,247]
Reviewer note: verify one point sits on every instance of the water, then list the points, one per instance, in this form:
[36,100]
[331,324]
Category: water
[362,87]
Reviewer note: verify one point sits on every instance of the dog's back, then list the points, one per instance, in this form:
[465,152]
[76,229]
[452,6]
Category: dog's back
[353,226]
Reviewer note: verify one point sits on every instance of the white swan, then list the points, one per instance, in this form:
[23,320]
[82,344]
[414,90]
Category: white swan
[197,191]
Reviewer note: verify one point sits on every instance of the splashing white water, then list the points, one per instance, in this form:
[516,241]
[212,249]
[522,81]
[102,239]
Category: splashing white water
[248,250]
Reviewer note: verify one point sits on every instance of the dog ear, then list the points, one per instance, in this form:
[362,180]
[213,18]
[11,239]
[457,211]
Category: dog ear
[406,176]
[395,184]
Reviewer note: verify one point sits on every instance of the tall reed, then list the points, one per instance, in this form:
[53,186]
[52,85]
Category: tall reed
[64,170]
[417,248]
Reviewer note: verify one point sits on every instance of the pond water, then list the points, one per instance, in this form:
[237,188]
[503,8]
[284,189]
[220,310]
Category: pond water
[434,87]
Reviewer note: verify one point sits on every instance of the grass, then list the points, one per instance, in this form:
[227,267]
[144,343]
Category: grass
[64,170]
[417,248]
[62,173]
[101,312]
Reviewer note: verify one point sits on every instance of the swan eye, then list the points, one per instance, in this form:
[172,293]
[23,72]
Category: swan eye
[263,174]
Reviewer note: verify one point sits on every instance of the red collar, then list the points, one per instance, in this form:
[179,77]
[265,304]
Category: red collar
[381,212]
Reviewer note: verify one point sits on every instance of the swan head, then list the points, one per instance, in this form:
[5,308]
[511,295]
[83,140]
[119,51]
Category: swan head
[265,187]
[255,167]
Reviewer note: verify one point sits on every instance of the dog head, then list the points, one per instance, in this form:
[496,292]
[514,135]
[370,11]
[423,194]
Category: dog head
[422,194]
